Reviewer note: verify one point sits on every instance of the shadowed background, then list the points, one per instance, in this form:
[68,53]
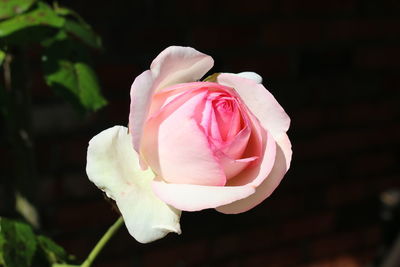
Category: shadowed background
[333,66]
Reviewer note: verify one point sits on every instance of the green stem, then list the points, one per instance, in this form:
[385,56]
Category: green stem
[99,246]
[103,241]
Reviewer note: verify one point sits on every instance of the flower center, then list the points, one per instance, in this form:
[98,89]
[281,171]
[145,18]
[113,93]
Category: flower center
[221,117]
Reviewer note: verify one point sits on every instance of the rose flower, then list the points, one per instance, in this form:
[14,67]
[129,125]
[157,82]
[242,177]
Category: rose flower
[191,145]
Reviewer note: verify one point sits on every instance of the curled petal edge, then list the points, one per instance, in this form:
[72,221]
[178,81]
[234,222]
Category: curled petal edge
[112,165]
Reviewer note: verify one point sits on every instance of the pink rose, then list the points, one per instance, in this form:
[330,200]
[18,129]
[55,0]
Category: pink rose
[219,143]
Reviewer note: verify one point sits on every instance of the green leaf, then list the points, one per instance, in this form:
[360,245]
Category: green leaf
[77,82]
[84,32]
[43,15]
[53,252]
[60,36]
[17,243]
[11,8]
[89,87]
[2,56]
[67,12]
[66,70]
[78,27]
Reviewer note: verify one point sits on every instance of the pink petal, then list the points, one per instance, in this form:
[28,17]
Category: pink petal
[260,102]
[178,64]
[256,174]
[233,167]
[141,93]
[173,65]
[235,148]
[177,149]
[265,189]
[198,197]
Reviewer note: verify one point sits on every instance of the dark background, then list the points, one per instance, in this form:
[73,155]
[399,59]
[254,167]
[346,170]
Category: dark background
[333,66]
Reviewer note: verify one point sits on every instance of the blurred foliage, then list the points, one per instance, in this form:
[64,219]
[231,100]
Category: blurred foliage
[57,38]
[12,8]
[21,247]
[64,40]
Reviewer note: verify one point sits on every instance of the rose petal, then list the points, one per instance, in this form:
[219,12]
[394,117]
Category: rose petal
[176,147]
[112,165]
[141,93]
[250,75]
[173,65]
[258,173]
[265,189]
[260,102]
[233,167]
[235,148]
[198,197]
[177,64]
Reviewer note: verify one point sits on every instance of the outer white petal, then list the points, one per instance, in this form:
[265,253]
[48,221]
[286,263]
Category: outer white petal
[113,166]
[250,75]
[246,74]
[174,65]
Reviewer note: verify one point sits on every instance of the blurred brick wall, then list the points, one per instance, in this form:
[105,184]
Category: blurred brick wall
[334,67]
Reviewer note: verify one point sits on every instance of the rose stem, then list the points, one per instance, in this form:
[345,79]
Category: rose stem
[102,242]
[99,246]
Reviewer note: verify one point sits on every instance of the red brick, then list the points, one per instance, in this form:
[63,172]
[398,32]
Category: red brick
[73,151]
[117,77]
[152,38]
[227,245]
[268,65]
[116,262]
[359,30]
[372,236]
[336,244]
[224,37]
[368,255]
[307,226]
[285,33]
[5,157]
[39,86]
[352,115]
[317,8]
[118,111]
[77,185]
[308,119]
[288,256]
[78,245]
[250,8]
[378,184]
[239,242]
[259,238]
[340,261]
[229,263]
[210,10]
[190,254]
[50,190]
[340,142]
[372,164]
[72,217]
[196,8]
[345,193]
[283,205]
[382,57]
[391,82]
[62,150]
[367,113]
